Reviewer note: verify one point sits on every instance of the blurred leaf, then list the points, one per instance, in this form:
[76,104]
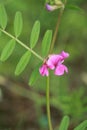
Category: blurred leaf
[0,33]
[35,34]
[65,123]
[46,42]
[23,62]
[82,126]
[3,17]
[18,23]
[34,76]
[8,49]
[74,7]
[43,121]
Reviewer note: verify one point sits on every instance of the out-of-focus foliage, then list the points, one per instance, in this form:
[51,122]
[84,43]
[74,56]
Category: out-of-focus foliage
[68,93]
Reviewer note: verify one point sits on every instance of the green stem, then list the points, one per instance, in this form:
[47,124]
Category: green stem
[56,30]
[22,44]
[51,49]
[48,104]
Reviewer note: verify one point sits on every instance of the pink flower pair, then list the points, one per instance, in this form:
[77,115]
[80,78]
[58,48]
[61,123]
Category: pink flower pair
[54,62]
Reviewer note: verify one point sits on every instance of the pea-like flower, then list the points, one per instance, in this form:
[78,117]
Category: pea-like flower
[51,7]
[55,62]
[57,4]
[44,70]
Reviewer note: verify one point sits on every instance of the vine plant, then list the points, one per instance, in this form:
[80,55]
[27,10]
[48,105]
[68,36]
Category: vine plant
[48,61]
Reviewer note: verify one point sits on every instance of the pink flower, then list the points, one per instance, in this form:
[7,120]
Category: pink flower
[64,54]
[51,7]
[44,70]
[60,69]
[55,62]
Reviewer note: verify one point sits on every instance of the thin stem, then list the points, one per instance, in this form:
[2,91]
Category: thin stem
[48,104]
[48,85]
[56,30]
[57,27]
[22,44]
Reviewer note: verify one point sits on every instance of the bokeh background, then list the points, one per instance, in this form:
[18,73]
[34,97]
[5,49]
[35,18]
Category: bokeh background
[23,107]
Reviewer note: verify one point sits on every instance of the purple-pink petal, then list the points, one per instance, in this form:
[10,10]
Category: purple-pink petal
[51,7]
[64,54]
[44,70]
[60,70]
[53,61]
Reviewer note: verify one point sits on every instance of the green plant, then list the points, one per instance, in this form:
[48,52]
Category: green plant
[47,48]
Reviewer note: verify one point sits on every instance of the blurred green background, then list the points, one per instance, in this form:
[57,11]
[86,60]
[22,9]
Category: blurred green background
[23,107]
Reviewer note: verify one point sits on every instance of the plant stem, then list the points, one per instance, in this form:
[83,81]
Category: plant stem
[56,30]
[48,104]
[51,49]
[22,44]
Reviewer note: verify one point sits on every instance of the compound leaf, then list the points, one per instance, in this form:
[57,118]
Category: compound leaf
[34,76]
[35,34]
[46,42]
[18,24]
[65,123]
[0,33]
[82,126]
[7,51]
[3,17]
[74,7]
[24,60]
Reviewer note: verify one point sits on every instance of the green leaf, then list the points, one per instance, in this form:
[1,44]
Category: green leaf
[18,24]
[0,33]
[82,126]
[65,123]
[3,17]
[35,34]
[23,62]
[7,51]
[46,42]
[35,75]
[74,7]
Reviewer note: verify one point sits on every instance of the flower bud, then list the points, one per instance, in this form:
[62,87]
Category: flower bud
[51,7]
[56,5]
[58,2]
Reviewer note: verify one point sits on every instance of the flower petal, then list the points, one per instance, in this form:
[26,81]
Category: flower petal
[44,70]
[60,70]
[51,7]
[53,61]
[64,54]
